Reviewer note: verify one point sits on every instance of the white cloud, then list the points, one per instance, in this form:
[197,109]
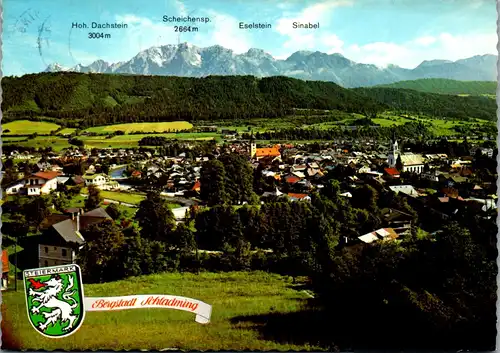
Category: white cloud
[224,32]
[333,43]
[425,40]
[297,39]
[410,54]
[181,7]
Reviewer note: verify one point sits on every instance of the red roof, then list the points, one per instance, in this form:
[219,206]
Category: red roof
[391,171]
[270,152]
[196,186]
[5,261]
[297,196]
[292,179]
[47,175]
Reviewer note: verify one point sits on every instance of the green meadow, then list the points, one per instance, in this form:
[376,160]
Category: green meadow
[66,131]
[440,127]
[239,311]
[56,142]
[143,127]
[26,127]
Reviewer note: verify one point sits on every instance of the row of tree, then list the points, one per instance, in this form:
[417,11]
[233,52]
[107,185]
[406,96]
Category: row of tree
[408,130]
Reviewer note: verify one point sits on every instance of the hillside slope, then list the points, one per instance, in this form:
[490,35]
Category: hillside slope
[438,105]
[102,98]
[445,86]
[83,100]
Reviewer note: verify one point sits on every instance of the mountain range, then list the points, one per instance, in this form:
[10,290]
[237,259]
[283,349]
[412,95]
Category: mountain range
[190,61]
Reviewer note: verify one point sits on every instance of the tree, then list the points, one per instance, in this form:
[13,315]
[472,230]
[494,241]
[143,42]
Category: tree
[113,211]
[237,256]
[9,163]
[105,168]
[183,239]
[101,256]
[37,210]
[366,197]
[134,253]
[61,201]
[399,164]
[94,198]
[18,225]
[239,179]
[155,217]
[213,183]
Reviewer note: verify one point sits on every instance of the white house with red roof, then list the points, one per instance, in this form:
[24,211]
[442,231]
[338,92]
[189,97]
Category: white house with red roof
[41,183]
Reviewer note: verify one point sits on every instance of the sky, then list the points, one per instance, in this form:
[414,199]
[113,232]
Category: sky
[37,33]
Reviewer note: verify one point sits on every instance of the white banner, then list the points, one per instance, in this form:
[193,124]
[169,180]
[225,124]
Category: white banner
[202,310]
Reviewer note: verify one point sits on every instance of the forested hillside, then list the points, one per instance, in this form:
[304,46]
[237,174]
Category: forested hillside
[446,86]
[101,99]
[82,100]
[438,105]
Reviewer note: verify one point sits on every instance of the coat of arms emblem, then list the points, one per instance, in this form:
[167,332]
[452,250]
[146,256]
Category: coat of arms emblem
[54,299]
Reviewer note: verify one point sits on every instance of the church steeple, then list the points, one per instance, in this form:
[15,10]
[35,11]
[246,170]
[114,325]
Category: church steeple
[393,152]
[253,145]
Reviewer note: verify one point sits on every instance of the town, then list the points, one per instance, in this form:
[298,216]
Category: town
[432,182]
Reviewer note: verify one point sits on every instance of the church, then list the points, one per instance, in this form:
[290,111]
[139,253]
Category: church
[412,162]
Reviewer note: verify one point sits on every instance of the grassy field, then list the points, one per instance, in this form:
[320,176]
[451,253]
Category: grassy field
[129,141]
[439,127]
[57,143]
[66,131]
[13,138]
[234,298]
[126,197]
[130,198]
[144,127]
[26,127]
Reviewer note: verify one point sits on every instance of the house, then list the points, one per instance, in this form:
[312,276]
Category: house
[41,183]
[275,193]
[291,179]
[364,169]
[398,220]
[61,238]
[95,179]
[384,234]
[14,188]
[197,186]
[43,166]
[299,197]
[392,172]
[75,180]
[5,269]
[405,189]
[432,175]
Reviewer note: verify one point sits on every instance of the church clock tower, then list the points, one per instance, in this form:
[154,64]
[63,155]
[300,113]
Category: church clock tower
[253,146]
[393,152]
